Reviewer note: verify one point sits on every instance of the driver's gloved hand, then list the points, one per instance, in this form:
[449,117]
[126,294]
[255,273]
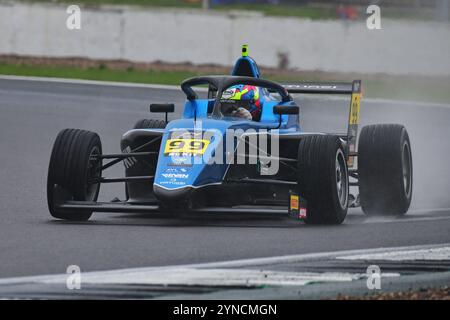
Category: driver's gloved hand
[242,113]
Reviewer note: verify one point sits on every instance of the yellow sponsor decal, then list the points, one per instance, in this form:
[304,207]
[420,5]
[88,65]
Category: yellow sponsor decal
[350,162]
[294,202]
[354,108]
[186,146]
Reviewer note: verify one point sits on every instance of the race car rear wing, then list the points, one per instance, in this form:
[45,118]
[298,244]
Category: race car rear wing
[319,88]
[350,88]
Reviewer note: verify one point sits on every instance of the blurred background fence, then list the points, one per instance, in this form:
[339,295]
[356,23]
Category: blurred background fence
[145,34]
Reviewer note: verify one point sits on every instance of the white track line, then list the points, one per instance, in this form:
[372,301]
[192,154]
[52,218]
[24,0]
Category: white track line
[217,277]
[406,103]
[219,266]
[177,88]
[442,253]
[94,82]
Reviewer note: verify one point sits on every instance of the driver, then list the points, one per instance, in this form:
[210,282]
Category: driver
[250,104]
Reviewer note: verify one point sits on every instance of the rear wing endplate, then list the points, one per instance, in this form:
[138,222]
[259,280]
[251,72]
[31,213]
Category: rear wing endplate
[350,88]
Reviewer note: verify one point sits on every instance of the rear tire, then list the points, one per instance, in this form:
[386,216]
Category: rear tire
[150,124]
[385,169]
[323,178]
[70,169]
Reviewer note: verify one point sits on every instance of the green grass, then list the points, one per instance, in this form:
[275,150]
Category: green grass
[300,11]
[286,10]
[411,88]
[151,3]
[312,11]
[101,73]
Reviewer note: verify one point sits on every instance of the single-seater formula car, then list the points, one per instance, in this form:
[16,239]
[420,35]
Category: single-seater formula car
[239,149]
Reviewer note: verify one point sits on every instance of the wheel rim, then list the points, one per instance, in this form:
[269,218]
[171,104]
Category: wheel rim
[406,169]
[93,173]
[341,179]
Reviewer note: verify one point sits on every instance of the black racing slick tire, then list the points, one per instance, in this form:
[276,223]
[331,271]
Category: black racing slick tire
[323,178]
[72,169]
[150,124]
[385,169]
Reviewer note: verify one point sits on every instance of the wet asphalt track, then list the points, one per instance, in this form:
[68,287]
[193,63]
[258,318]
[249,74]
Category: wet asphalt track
[32,113]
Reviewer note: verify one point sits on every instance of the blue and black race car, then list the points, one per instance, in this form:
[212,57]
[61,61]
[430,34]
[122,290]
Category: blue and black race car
[238,149]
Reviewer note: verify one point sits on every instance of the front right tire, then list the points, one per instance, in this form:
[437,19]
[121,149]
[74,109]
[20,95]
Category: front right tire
[74,164]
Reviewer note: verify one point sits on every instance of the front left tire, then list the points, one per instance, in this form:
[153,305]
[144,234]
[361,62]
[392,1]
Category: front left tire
[150,124]
[323,178]
[385,170]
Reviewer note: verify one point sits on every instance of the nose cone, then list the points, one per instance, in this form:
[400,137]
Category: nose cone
[173,198]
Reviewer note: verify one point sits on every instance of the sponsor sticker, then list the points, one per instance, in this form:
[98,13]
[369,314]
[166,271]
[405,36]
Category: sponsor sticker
[355,108]
[176,170]
[179,164]
[185,147]
[175,175]
[294,202]
[302,214]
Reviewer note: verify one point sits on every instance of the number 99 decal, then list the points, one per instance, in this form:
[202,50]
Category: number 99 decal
[187,146]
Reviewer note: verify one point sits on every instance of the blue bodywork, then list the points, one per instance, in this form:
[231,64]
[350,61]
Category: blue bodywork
[183,171]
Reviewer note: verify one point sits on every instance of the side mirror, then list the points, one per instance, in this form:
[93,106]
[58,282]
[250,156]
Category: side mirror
[280,110]
[162,108]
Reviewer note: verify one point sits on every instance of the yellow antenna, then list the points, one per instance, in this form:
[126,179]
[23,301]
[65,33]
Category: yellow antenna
[245,50]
